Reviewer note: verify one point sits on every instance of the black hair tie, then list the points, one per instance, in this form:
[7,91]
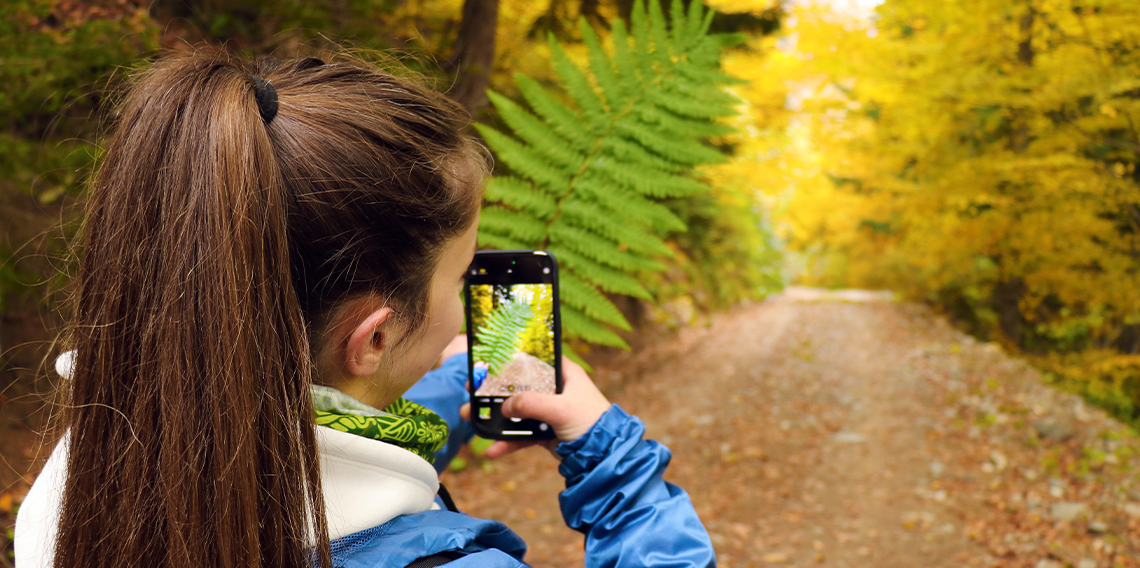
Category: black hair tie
[266,97]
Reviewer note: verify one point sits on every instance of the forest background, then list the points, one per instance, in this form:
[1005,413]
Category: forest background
[978,156]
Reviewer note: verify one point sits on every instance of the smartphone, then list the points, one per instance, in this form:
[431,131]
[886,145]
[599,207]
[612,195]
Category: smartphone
[514,334]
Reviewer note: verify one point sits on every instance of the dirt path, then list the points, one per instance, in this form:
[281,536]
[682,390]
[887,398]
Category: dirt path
[818,429]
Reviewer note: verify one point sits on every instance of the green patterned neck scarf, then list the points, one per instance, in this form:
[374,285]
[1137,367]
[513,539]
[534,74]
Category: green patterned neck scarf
[404,423]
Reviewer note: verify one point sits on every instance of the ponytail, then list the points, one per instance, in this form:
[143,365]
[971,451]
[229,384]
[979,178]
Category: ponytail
[189,416]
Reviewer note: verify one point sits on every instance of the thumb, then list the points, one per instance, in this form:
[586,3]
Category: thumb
[548,408]
[565,414]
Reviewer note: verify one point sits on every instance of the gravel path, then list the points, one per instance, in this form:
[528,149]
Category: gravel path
[845,429]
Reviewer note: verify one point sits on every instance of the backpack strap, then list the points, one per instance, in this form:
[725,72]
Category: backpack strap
[447,500]
[437,559]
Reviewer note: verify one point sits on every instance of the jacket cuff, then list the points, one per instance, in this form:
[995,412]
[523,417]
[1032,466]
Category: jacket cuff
[584,454]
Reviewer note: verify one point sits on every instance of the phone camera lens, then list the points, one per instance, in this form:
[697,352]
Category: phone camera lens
[546,271]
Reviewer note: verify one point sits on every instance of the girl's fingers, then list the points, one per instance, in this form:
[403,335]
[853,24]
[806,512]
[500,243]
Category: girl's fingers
[503,447]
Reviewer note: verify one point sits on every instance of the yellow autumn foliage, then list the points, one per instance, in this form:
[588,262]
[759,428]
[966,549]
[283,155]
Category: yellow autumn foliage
[978,155]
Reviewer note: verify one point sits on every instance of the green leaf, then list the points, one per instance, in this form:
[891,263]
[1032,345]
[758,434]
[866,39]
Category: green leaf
[501,221]
[577,324]
[521,195]
[498,339]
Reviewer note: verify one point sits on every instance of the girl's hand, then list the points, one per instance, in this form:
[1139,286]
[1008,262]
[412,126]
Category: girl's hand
[571,413]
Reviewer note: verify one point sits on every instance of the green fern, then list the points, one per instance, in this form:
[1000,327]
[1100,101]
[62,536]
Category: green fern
[591,179]
[498,339]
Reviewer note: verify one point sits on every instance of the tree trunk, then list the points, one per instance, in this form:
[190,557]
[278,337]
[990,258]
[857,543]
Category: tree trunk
[474,54]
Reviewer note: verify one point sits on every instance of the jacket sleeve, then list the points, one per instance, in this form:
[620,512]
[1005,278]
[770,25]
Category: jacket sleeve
[443,391]
[615,496]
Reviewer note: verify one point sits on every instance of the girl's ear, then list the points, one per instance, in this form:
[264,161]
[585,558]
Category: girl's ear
[366,345]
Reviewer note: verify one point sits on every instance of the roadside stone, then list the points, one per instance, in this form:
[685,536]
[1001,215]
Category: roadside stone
[1132,510]
[848,437]
[1055,430]
[1068,510]
[1048,563]
[1087,563]
[999,460]
[1098,527]
[937,469]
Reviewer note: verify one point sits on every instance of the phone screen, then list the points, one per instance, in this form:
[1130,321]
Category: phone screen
[513,351]
[513,330]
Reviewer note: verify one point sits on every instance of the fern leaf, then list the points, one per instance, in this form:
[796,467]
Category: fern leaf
[600,249]
[578,86]
[584,296]
[594,186]
[650,182]
[683,106]
[628,151]
[596,158]
[628,72]
[561,118]
[614,226]
[521,195]
[608,279]
[523,159]
[680,151]
[658,33]
[577,324]
[677,125]
[501,221]
[600,65]
[695,22]
[679,23]
[532,131]
[499,242]
[498,339]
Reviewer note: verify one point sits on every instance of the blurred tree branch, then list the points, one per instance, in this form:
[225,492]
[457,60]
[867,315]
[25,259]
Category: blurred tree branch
[474,54]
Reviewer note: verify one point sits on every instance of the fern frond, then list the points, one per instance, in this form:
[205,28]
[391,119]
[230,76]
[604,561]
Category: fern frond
[658,33]
[577,324]
[594,186]
[650,182]
[536,134]
[682,151]
[608,279]
[498,339]
[680,23]
[502,221]
[677,125]
[521,195]
[524,159]
[600,65]
[493,241]
[596,158]
[584,296]
[629,151]
[695,24]
[578,86]
[613,225]
[561,118]
[601,249]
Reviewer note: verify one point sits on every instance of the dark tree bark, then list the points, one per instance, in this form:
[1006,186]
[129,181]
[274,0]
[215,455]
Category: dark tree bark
[474,54]
[589,10]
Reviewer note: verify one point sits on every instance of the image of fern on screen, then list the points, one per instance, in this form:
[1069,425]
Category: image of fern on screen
[514,338]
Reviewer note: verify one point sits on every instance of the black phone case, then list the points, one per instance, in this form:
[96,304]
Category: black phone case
[498,426]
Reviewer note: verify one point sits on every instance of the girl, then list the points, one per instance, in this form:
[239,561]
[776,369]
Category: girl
[273,245]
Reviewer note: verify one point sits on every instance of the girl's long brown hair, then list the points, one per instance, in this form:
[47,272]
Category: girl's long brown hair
[214,243]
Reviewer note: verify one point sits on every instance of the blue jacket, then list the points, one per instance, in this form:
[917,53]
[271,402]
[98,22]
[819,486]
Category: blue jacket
[614,495]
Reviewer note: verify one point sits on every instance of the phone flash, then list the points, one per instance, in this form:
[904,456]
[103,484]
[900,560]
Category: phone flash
[546,270]
[482,271]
